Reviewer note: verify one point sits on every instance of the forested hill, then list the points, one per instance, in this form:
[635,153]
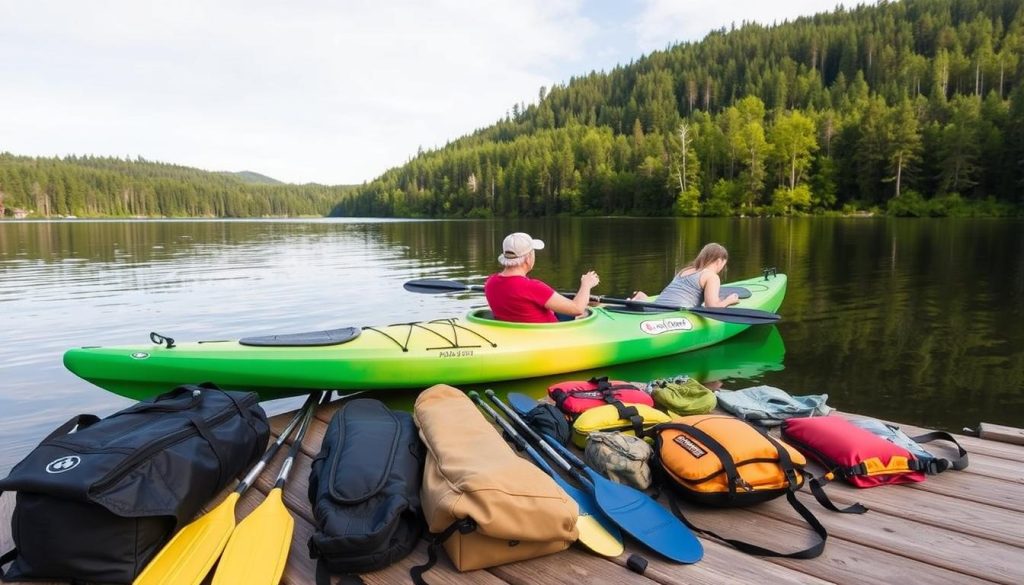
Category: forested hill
[111,187]
[911,108]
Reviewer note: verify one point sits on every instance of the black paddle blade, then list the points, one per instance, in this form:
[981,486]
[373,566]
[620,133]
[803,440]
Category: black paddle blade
[431,286]
[737,315]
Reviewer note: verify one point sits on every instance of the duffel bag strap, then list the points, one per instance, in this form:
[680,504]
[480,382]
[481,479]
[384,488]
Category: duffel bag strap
[81,421]
[463,526]
[7,557]
[938,464]
[215,446]
[242,409]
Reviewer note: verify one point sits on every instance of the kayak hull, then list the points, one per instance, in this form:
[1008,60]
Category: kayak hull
[468,350]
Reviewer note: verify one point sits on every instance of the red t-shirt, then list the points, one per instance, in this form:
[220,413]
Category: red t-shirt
[519,299]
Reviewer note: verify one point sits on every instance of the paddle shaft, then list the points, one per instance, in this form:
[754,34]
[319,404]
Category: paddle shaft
[286,467]
[272,450]
[599,534]
[515,418]
[634,511]
[516,437]
[725,314]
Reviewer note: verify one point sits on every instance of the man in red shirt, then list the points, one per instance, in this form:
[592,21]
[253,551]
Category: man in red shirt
[514,297]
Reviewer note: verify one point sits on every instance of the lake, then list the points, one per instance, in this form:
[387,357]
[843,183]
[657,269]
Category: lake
[918,321]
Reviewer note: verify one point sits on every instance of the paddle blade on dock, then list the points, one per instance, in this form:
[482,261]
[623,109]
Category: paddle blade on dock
[188,557]
[258,549]
[598,538]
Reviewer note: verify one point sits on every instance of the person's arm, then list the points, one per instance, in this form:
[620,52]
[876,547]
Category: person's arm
[578,304]
[712,288]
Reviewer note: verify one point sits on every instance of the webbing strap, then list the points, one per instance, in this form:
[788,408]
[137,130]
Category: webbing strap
[463,526]
[215,446]
[753,549]
[81,421]
[937,464]
[7,557]
[817,489]
[732,475]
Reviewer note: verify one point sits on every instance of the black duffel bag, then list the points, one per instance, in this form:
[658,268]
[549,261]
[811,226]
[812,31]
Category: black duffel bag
[98,503]
[365,490]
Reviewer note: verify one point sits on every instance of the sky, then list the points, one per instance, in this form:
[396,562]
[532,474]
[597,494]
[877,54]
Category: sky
[326,91]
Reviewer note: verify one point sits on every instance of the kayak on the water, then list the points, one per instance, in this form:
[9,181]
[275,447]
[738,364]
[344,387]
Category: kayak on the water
[469,350]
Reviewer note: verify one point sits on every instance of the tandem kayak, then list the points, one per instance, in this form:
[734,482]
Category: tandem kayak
[469,350]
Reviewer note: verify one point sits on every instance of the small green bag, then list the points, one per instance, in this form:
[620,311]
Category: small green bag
[683,396]
[620,457]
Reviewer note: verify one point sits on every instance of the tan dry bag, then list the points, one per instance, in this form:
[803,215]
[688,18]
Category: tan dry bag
[485,503]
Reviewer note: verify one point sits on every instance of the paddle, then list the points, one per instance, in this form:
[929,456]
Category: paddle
[597,533]
[188,557]
[258,549]
[724,314]
[521,403]
[634,511]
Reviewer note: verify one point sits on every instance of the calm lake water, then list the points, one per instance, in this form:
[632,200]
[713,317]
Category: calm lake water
[918,321]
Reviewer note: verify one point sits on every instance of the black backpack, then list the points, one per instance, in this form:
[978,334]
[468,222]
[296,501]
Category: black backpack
[98,503]
[364,487]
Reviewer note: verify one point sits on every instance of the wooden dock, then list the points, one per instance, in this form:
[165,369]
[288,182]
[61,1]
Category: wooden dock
[958,527]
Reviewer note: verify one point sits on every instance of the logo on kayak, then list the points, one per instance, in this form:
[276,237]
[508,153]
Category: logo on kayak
[140,355]
[664,325]
[63,464]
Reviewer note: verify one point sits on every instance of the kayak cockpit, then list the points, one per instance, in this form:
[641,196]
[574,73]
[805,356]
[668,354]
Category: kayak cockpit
[485,316]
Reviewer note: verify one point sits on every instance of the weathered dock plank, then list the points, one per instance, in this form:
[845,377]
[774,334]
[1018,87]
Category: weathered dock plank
[777,526]
[1000,433]
[936,509]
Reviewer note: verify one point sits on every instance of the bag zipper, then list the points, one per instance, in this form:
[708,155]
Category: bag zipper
[141,454]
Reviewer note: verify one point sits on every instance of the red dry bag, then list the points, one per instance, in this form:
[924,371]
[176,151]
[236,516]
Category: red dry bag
[575,396]
[852,453]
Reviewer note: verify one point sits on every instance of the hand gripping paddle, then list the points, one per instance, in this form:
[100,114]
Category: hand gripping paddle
[634,511]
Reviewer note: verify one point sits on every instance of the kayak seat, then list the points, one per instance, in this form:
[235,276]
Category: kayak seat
[311,338]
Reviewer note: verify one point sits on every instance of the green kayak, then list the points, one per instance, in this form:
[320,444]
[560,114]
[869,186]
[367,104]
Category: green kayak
[470,350]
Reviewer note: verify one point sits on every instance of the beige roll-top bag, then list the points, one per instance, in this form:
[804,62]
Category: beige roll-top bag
[488,505]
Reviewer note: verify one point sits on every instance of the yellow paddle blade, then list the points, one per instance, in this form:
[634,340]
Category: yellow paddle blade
[258,549]
[596,538]
[187,558]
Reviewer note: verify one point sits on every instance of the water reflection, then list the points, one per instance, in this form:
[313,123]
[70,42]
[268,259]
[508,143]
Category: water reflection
[913,320]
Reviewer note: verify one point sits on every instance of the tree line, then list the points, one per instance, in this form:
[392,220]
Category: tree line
[87,186]
[908,108]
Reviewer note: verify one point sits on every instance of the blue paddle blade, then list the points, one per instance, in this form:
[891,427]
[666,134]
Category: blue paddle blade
[588,507]
[638,515]
[521,403]
[646,520]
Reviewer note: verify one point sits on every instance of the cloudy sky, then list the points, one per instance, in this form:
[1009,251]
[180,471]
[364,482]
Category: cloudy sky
[328,91]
